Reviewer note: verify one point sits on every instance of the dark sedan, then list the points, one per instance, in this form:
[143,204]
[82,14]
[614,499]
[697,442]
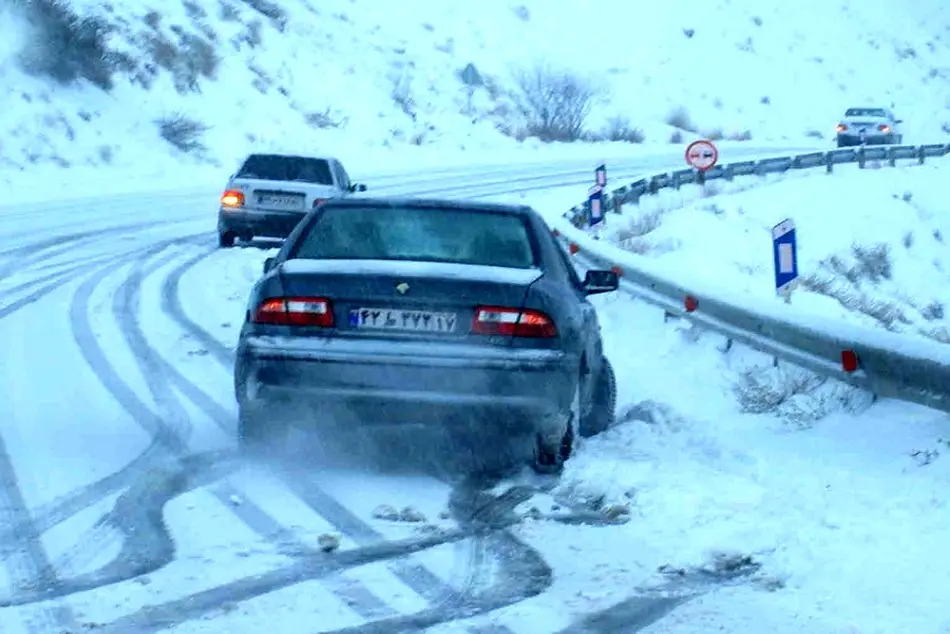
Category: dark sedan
[463,315]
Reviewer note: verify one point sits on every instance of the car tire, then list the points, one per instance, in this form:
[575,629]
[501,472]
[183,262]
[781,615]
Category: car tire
[226,239]
[551,452]
[602,412]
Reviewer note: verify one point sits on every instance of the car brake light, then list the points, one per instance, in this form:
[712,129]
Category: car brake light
[295,311]
[841,127]
[318,201]
[232,198]
[512,322]
[884,128]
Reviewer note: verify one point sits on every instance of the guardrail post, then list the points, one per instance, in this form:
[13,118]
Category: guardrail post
[920,155]
[727,173]
[862,159]
[829,163]
[891,157]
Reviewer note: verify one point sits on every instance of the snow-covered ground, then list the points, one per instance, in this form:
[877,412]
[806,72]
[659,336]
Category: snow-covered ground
[360,78]
[732,496]
[743,494]
[872,244]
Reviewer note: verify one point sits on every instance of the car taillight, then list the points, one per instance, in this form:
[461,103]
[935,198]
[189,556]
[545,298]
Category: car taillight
[884,128]
[295,311]
[498,320]
[318,201]
[841,127]
[232,198]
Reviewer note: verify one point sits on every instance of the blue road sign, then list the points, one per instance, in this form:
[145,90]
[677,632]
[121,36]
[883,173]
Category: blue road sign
[595,206]
[600,176]
[785,256]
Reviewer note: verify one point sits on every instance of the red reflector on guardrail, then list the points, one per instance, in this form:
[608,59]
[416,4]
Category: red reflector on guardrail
[690,303]
[617,271]
[574,249]
[849,361]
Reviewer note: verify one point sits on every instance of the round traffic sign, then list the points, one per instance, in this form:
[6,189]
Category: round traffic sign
[702,154]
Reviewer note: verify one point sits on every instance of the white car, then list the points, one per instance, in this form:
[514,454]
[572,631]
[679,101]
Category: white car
[271,193]
[869,126]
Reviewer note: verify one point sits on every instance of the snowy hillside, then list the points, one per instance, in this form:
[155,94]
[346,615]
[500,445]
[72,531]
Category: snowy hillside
[872,243]
[356,77]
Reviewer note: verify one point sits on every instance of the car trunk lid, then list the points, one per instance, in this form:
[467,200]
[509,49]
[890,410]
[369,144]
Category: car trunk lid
[406,299]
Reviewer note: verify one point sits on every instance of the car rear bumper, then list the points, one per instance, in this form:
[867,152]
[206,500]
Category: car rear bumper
[869,139]
[269,224]
[514,391]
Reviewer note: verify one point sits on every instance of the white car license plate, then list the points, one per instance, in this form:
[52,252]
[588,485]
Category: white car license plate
[281,202]
[405,320]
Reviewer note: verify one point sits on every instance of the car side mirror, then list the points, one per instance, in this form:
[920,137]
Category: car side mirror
[357,187]
[597,281]
[269,265]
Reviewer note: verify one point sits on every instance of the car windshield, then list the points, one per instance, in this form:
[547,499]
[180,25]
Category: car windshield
[866,112]
[270,167]
[464,236]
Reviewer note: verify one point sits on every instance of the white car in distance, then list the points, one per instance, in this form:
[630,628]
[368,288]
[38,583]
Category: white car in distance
[869,126]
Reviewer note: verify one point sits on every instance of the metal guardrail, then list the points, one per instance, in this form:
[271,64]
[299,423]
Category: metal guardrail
[889,364]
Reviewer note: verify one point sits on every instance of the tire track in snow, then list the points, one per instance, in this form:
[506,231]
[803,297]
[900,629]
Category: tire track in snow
[25,557]
[162,378]
[417,577]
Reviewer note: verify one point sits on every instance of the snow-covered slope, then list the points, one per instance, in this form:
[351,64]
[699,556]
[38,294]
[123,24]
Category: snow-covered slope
[359,76]
[872,243]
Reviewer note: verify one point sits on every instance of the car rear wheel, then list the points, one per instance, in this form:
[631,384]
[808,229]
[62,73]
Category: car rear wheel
[551,453]
[226,239]
[600,416]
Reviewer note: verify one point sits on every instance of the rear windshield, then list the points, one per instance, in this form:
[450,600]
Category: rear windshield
[425,235]
[269,167]
[865,112]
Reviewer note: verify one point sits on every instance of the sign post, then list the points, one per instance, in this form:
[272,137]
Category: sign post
[600,176]
[702,155]
[785,257]
[595,206]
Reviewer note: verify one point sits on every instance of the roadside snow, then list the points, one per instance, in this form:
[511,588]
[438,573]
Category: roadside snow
[872,243]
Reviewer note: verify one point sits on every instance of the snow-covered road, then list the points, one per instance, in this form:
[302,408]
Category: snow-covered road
[124,509]
[121,504]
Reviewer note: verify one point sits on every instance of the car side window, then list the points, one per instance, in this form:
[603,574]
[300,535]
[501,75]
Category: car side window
[345,177]
[566,261]
[341,177]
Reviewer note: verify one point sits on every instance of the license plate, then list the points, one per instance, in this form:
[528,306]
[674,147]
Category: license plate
[283,202]
[404,320]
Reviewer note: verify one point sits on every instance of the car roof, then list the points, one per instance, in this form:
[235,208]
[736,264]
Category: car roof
[293,156]
[429,203]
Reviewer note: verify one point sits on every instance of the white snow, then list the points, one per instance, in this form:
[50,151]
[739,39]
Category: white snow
[871,245]
[840,499]
[386,74]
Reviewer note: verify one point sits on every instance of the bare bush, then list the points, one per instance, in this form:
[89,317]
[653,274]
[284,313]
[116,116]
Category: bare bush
[188,60]
[676,137]
[872,263]
[401,93]
[618,129]
[555,103]
[745,135]
[182,132]
[67,47]
[640,226]
[679,118]
[815,134]
[325,120]
[933,311]
[271,10]
[798,397]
